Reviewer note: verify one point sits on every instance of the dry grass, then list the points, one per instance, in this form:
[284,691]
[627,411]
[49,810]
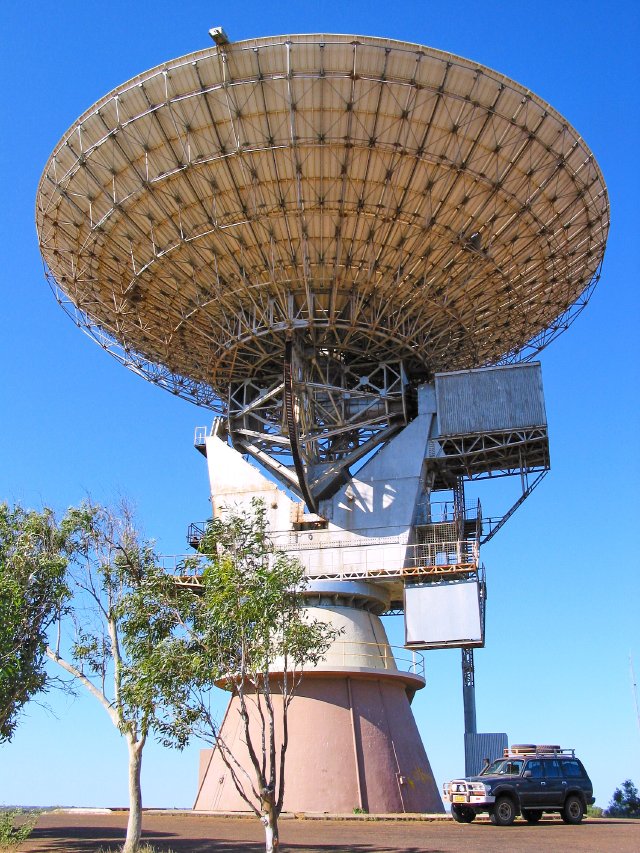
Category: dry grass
[144,848]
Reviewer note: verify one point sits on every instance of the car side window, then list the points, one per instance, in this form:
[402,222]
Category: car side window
[572,769]
[553,769]
[536,769]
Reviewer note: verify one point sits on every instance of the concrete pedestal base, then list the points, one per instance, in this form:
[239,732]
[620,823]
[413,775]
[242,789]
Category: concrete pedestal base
[353,743]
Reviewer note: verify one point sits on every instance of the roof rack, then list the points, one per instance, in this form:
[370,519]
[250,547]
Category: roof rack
[521,749]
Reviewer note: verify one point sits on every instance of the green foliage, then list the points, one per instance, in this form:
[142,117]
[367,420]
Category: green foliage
[261,586]
[247,615]
[33,558]
[246,622]
[110,563]
[594,811]
[16,826]
[625,801]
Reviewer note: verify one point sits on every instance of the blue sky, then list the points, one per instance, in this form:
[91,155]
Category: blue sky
[563,607]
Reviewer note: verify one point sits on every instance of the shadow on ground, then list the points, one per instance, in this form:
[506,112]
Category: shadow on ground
[90,840]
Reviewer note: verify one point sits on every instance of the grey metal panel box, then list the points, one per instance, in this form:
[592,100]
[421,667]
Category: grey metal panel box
[482,745]
[492,399]
[443,614]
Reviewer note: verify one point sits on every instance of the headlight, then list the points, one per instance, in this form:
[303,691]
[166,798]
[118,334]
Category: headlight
[479,788]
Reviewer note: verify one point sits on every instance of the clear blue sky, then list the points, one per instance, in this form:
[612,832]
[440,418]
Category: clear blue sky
[563,608]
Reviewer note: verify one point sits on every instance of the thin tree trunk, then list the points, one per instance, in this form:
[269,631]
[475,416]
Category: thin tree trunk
[271,836]
[134,826]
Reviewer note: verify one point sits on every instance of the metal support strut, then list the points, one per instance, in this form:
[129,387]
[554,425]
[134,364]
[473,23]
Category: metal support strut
[292,428]
[469,692]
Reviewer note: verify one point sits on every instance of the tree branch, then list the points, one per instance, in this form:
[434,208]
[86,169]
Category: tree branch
[82,678]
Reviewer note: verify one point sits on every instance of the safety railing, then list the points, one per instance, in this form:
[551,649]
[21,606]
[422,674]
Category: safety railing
[381,558]
[347,653]
[434,554]
[440,512]
[389,559]
[200,436]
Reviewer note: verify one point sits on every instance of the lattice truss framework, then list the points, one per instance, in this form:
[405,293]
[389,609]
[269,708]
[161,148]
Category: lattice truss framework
[498,454]
[338,407]
[386,201]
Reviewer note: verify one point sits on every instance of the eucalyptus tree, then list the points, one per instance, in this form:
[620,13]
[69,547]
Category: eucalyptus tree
[625,801]
[33,559]
[110,561]
[243,629]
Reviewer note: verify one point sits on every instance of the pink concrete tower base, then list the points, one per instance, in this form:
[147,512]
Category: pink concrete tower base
[353,743]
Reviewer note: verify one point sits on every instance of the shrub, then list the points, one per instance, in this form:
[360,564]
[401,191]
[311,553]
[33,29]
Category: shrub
[16,825]
[625,801]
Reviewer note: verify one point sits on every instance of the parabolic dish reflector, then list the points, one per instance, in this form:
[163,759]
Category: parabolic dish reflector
[379,200]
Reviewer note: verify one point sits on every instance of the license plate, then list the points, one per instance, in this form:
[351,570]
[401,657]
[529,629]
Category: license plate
[458,798]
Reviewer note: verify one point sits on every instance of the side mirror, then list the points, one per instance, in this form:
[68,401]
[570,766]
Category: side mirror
[527,774]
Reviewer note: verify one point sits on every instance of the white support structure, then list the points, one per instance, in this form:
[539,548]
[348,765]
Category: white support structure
[372,528]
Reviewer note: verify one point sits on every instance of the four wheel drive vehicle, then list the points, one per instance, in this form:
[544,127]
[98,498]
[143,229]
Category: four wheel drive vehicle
[527,780]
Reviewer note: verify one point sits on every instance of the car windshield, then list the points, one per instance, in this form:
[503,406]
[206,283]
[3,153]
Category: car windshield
[503,767]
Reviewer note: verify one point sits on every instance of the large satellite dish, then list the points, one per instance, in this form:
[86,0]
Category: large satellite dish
[380,200]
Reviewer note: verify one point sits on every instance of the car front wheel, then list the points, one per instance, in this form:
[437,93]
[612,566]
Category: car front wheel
[532,815]
[573,810]
[462,814]
[504,812]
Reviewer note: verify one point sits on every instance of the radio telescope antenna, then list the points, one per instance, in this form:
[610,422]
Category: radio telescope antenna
[350,249]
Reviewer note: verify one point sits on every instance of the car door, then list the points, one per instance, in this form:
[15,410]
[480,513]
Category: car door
[555,783]
[532,785]
[576,778]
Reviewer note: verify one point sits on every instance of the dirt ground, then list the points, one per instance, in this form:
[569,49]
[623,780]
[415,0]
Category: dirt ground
[186,832]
